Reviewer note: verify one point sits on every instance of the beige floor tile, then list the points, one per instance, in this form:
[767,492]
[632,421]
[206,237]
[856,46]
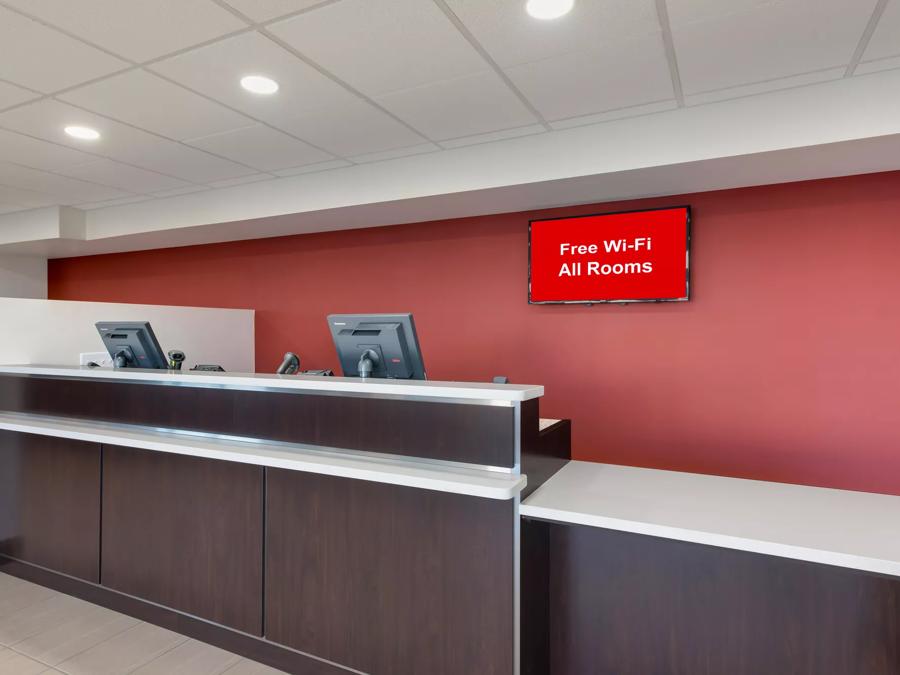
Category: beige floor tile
[68,639]
[12,663]
[39,617]
[16,594]
[47,629]
[247,667]
[190,658]
[8,580]
[123,653]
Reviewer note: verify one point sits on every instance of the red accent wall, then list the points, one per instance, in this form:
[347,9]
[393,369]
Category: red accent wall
[784,366]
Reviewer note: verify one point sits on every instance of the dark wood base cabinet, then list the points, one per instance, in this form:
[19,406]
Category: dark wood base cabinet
[50,503]
[389,580]
[627,604]
[186,533]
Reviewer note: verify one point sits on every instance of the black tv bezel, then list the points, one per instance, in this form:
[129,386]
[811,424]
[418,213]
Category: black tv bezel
[687,259]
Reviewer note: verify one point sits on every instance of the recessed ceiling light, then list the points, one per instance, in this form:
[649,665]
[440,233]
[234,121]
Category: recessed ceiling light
[83,133]
[549,9]
[259,84]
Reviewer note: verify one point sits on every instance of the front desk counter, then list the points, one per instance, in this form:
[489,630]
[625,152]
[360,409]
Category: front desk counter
[319,525]
[327,526]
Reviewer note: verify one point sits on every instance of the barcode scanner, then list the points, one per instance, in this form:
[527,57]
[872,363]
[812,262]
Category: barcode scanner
[176,358]
[290,365]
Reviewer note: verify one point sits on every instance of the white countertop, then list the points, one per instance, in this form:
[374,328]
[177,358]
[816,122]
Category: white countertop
[859,530]
[487,392]
[327,461]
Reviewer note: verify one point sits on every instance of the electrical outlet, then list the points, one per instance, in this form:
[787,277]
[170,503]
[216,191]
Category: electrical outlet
[100,358]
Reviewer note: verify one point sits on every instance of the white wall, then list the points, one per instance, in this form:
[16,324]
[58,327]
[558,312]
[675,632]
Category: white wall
[23,276]
[55,332]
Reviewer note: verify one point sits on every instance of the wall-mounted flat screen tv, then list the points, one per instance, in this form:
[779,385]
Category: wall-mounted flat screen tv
[631,256]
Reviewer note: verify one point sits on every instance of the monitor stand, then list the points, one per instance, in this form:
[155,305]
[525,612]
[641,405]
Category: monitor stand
[367,362]
[123,358]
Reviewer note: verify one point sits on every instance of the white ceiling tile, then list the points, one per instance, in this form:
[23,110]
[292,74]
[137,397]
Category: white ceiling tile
[620,113]
[231,182]
[150,102]
[9,208]
[66,190]
[380,47]
[885,40]
[123,176]
[265,10]
[261,147]
[420,149]
[186,163]
[136,29]
[353,128]
[216,70]
[512,37]
[878,66]
[181,191]
[24,199]
[313,168]
[90,206]
[616,75]
[308,105]
[463,106]
[529,130]
[44,59]
[46,119]
[727,44]
[768,85]
[38,154]
[11,95]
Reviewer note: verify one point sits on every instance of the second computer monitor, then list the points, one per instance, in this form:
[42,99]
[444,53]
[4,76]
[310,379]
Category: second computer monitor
[377,345]
[132,344]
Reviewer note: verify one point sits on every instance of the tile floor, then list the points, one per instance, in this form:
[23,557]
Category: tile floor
[42,631]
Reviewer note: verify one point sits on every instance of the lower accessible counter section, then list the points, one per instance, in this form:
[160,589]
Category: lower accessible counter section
[858,530]
[630,571]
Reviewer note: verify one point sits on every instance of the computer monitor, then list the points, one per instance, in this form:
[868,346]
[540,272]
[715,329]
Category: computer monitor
[132,344]
[377,345]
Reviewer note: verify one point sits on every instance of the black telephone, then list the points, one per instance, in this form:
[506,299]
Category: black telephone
[290,365]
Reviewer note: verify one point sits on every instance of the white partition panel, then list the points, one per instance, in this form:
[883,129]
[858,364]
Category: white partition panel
[23,276]
[58,331]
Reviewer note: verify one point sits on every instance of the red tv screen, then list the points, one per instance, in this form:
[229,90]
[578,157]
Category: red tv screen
[635,256]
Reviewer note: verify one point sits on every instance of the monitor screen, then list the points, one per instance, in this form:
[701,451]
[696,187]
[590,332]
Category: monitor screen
[634,256]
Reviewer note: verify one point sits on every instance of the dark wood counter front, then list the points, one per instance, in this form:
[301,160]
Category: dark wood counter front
[50,503]
[389,579]
[186,533]
[628,604]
